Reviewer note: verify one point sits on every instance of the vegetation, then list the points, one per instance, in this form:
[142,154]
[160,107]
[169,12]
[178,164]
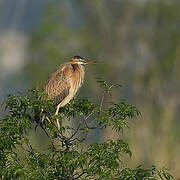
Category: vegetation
[136,44]
[68,156]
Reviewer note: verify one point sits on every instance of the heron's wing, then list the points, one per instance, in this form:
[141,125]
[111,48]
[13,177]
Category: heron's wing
[58,85]
[60,97]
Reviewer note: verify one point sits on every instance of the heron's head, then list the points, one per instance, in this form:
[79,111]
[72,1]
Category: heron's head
[80,60]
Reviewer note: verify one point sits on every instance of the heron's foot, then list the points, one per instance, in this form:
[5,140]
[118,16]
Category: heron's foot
[57,124]
[56,113]
[57,120]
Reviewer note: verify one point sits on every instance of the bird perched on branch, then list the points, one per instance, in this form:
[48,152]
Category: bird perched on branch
[64,83]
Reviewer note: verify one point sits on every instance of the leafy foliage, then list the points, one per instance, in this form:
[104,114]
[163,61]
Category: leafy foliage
[67,157]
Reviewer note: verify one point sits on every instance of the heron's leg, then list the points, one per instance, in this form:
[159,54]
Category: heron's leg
[57,110]
[48,119]
[58,124]
[57,120]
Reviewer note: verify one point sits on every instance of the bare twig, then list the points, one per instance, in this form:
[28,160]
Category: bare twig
[102,100]
[75,132]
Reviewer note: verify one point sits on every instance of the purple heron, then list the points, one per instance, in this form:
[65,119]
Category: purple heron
[64,83]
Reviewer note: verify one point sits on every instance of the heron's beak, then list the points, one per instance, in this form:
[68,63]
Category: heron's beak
[87,62]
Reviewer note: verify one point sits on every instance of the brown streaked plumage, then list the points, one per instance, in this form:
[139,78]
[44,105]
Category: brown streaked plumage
[64,83]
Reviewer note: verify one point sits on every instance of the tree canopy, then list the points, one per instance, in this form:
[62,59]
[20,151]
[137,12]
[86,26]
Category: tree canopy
[68,155]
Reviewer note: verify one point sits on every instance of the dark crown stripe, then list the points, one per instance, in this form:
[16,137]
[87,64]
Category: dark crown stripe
[78,57]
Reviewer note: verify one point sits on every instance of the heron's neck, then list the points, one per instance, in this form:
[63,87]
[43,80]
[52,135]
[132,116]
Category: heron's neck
[78,68]
[78,74]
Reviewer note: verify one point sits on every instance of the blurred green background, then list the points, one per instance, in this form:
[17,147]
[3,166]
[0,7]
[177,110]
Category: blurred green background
[137,44]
